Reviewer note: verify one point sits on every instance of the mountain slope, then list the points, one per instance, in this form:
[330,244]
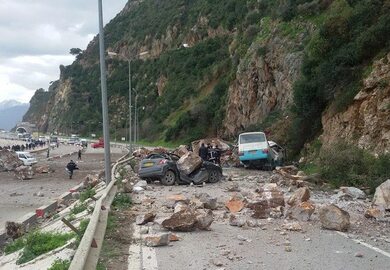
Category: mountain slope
[11,112]
[246,65]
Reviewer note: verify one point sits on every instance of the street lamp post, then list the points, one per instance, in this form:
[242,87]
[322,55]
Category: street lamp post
[135,116]
[130,146]
[106,133]
[130,101]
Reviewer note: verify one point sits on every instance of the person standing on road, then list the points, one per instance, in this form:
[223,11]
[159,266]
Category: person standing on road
[70,167]
[79,155]
[203,152]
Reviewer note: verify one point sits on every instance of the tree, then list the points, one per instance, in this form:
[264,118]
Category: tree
[75,51]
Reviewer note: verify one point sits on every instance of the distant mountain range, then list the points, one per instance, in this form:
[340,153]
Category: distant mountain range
[11,112]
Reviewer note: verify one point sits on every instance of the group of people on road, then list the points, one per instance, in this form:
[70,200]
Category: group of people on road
[210,153]
[22,147]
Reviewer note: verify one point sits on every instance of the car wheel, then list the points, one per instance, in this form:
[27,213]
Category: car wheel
[169,178]
[214,176]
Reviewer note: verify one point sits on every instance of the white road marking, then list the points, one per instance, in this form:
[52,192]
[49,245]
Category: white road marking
[149,258]
[141,257]
[384,253]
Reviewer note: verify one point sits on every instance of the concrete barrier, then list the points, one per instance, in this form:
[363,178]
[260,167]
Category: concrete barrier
[46,210]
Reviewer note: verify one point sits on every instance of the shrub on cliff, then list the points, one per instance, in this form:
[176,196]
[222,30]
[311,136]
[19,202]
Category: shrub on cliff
[347,165]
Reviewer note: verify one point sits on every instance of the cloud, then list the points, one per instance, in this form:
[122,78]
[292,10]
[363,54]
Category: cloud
[36,37]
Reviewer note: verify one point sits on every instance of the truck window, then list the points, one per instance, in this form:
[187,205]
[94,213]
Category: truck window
[252,138]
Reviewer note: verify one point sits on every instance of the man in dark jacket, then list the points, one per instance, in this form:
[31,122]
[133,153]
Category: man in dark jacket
[70,167]
[203,152]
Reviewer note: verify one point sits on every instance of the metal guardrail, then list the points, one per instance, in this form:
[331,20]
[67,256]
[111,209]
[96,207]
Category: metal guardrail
[87,254]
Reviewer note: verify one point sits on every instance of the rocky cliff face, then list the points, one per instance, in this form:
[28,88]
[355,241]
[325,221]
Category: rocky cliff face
[264,80]
[366,122]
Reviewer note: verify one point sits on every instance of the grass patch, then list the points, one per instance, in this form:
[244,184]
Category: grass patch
[37,243]
[16,245]
[121,201]
[60,265]
[78,208]
[310,168]
[88,193]
[82,227]
[112,223]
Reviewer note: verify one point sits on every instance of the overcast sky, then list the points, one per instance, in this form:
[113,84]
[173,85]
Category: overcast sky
[35,38]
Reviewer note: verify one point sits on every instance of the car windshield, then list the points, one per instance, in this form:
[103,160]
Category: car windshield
[252,138]
[28,155]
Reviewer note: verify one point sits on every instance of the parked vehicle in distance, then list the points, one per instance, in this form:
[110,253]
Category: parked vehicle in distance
[99,144]
[163,167]
[84,143]
[27,158]
[74,140]
[255,151]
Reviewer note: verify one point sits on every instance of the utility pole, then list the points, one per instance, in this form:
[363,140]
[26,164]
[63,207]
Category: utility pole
[106,133]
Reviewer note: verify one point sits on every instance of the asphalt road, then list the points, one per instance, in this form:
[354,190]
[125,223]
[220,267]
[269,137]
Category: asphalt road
[266,247]
[18,198]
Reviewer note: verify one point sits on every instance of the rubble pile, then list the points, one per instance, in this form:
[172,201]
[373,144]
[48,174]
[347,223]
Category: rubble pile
[14,230]
[142,152]
[9,161]
[282,200]
[222,145]
[24,172]
[91,180]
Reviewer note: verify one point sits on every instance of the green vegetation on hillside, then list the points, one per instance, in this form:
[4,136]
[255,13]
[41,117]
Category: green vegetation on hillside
[340,40]
[352,34]
[347,165]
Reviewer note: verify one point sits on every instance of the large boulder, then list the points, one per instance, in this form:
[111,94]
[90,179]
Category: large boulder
[142,219]
[382,195]
[334,218]
[24,172]
[189,220]
[42,169]
[189,163]
[141,152]
[183,221]
[300,195]
[181,150]
[302,211]
[157,240]
[204,218]
[353,192]
[235,204]
[207,201]
[9,161]
[270,199]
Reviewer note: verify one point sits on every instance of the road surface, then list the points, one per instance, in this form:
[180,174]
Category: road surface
[18,198]
[269,246]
